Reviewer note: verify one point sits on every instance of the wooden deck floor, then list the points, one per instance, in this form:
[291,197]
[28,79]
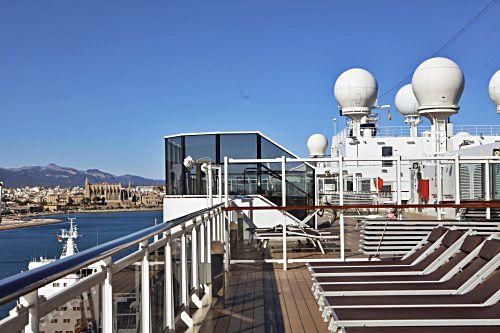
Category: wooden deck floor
[264,298]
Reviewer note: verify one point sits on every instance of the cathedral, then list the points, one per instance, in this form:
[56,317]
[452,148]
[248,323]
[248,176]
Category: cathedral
[106,193]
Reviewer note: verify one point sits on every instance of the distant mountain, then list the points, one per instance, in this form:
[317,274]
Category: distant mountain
[54,175]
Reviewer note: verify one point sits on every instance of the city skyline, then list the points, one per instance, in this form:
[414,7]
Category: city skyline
[99,85]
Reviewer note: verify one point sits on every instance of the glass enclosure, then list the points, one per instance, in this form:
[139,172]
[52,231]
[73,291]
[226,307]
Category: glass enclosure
[243,179]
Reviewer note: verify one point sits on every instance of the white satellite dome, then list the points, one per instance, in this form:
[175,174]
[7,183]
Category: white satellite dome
[406,102]
[317,145]
[494,89]
[356,90]
[438,83]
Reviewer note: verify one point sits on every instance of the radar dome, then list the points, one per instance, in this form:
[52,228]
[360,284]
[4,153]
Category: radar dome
[406,102]
[317,145]
[356,90]
[494,89]
[438,83]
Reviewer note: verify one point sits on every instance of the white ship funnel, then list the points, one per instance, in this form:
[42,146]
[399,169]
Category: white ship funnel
[407,105]
[494,89]
[438,84]
[317,145]
[356,90]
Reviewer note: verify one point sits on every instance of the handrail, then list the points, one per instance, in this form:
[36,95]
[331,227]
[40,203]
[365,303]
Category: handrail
[468,204]
[28,281]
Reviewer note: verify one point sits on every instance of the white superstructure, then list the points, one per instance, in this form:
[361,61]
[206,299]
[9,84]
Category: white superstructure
[434,93]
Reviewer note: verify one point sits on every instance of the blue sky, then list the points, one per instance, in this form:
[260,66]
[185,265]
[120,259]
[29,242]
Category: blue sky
[96,84]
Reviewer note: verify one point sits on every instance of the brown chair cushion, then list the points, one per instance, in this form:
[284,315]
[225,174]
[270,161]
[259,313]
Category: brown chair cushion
[470,243]
[451,237]
[490,249]
[436,234]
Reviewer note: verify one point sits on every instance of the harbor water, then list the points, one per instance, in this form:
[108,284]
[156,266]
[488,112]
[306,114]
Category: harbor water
[19,246]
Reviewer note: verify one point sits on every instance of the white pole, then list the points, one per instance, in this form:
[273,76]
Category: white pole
[316,198]
[184,297]
[209,237]
[439,188]
[283,204]
[145,305]
[107,297]
[457,179]
[210,189]
[219,169]
[30,301]
[398,180]
[341,203]
[194,258]
[169,288]
[226,223]
[487,189]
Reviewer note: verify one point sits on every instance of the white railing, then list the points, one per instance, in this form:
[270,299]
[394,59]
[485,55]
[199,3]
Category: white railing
[404,131]
[189,273]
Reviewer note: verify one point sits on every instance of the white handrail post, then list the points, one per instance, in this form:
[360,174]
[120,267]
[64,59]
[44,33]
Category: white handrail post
[341,202]
[457,179]
[316,197]
[30,301]
[210,189]
[145,303]
[216,227]
[202,241]
[184,286]
[439,188]
[209,237]
[219,170]
[487,193]
[169,288]
[283,204]
[194,257]
[398,181]
[107,296]
[226,222]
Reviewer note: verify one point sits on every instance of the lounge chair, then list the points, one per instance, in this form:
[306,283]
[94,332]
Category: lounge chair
[445,249]
[412,257]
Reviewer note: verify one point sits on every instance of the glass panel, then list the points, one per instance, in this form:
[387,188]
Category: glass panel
[127,298]
[173,165]
[495,181]
[157,285]
[81,314]
[199,147]
[472,181]
[238,146]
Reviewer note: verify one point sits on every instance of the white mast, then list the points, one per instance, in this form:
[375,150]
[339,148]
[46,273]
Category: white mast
[70,235]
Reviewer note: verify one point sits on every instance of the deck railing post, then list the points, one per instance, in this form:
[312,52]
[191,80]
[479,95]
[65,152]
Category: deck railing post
[202,241]
[226,221]
[487,192]
[398,181]
[145,290]
[341,203]
[457,179]
[30,301]
[210,186]
[209,237]
[216,226]
[283,204]
[107,296]
[184,285]
[194,257]
[439,181]
[169,288]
